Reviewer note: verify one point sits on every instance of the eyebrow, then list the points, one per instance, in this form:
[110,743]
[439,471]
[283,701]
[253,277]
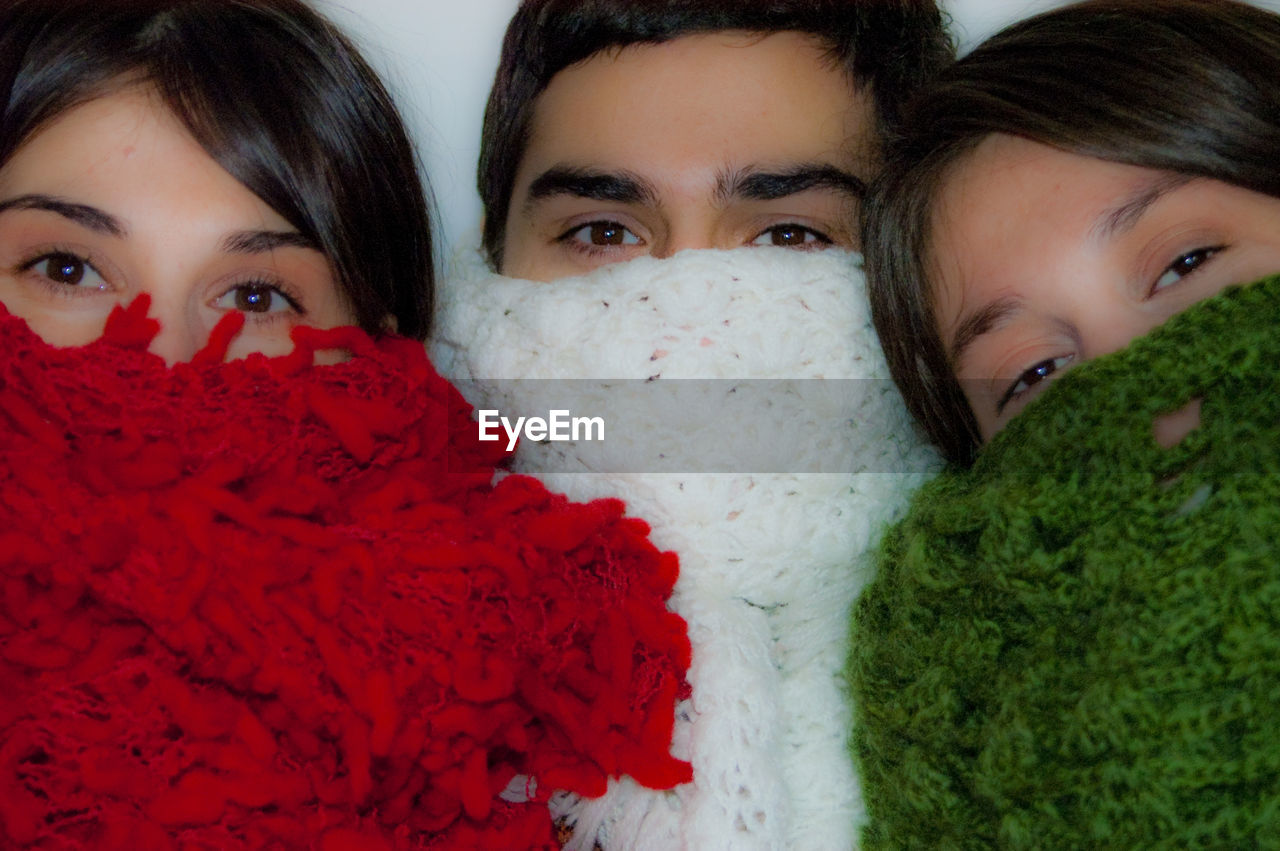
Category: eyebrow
[82,214]
[621,187]
[756,184]
[1124,216]
[1111,223]
[100,221]
[262,241]
[980,322]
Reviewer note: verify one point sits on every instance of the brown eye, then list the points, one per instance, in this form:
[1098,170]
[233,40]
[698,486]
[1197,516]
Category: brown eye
[256,297]
[66,269]
[607,233]
[601,234]
[789,236]
[792,236]
[1183,266]
[1029,379]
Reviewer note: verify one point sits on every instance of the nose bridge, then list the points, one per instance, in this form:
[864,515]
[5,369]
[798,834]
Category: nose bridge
[1121,326]
[179,337]
[688,226]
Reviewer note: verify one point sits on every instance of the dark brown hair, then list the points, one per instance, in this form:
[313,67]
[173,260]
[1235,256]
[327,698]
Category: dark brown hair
[276,96]
[1185,86]
[888,45]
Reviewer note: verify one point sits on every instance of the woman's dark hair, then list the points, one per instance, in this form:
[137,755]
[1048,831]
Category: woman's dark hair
[1185,86]
[888,45]
[276,96]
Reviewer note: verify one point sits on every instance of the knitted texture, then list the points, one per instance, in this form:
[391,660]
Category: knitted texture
[769,562]
[264,604]
[1076,643]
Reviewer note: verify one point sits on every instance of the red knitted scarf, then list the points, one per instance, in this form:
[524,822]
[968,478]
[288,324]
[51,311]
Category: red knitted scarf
[268,604]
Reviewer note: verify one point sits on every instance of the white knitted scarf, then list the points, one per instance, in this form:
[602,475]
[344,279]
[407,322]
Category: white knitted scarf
[769,563]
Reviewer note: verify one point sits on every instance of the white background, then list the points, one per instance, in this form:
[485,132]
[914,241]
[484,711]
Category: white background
[438,58]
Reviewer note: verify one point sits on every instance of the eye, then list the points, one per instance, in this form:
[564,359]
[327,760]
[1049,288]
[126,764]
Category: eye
[1183,266]
[601,234]
[791,235]
[63,268]
[1037,374]
[256,297]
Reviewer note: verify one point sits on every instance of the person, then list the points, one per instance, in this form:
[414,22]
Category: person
[259,586]
[623,131]
[615,130]
[336,201]
[1046,207]
[1073,259]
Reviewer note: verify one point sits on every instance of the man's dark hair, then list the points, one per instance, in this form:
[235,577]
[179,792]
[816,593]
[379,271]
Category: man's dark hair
[274,94]
[1190,87]
[889,46]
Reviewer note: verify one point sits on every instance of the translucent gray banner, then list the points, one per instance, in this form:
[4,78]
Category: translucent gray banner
[700,425]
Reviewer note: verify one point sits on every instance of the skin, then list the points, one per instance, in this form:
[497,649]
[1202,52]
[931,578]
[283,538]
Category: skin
[653,149]
[114,199]
[1045,259]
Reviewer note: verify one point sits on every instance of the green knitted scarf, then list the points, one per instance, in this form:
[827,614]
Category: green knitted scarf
[1076,642]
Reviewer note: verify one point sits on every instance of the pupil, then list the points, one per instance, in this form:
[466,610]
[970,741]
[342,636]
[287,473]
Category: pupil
[253,299]
[66,269]
[785,236]
[606,235]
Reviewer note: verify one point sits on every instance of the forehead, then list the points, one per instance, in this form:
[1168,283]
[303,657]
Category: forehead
[127,153]
[702,102]
[1012,206]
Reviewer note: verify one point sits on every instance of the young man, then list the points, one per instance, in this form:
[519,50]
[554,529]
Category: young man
[616,129]
[620,128]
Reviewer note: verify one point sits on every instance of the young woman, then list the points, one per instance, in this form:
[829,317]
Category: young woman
[1070,642]
[246,600]
[1068,186]
[105,101]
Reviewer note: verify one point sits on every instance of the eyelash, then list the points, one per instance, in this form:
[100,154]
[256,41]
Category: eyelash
[1041,375]
[567,238]
[1043,370]
[822,239]
[1205,253]
[274,286]
[28,265]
